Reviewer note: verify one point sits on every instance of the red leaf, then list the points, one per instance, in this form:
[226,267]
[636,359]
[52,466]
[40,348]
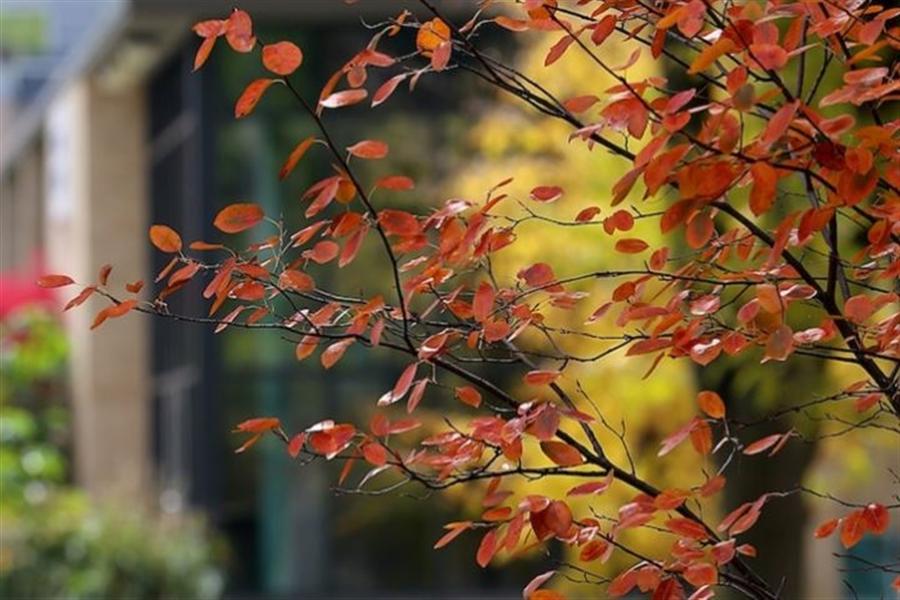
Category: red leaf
[770,56]
[827,528]
[622,584]
[876,518]
[387,88]
[687,528]
[441,56]
[404,382]
[80,298]
[398,222]
[631,246]
[282,58]
[558,517]
[546,193]
[562,454]
[370,149]
[415,396]
[295,156]
[780,344]
[534,584]
[558,49]
[541,377]
[203,52]
[344,98]
[468,395]
[602,29]
[762,195]
[700,574]
[258,425]
[236,218]
[483,303]
[239,31]
[853,529]
[676,438]
[587,214]
[299,281]
[487,548]
[579,104]
[778,124]
[54,281]
[592,487]
[296,444]
[375,453]
[762,444]
[334,352]
[395,182]
[455,529]
[859,308]
[251,96]
[323,252]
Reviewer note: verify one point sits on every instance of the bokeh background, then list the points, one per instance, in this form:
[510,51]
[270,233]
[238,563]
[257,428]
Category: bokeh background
[118,473]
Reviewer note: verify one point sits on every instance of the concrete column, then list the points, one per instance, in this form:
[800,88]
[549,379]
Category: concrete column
[96,208]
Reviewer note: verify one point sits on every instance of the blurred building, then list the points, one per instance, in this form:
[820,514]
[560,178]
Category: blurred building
[104,129]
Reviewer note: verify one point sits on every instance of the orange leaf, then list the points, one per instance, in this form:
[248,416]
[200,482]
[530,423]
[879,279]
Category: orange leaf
[282,58]
[165,238]
[251,96]
[235,218]
[431,35]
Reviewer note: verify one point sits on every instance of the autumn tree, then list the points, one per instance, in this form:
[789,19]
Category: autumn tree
[768,161]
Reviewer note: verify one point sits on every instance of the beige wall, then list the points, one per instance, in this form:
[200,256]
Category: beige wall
[96,206]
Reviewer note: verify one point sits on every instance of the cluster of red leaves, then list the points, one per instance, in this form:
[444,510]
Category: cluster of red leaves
[697,158]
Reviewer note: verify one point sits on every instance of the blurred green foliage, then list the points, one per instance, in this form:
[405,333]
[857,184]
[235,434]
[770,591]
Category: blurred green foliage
[54,541]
